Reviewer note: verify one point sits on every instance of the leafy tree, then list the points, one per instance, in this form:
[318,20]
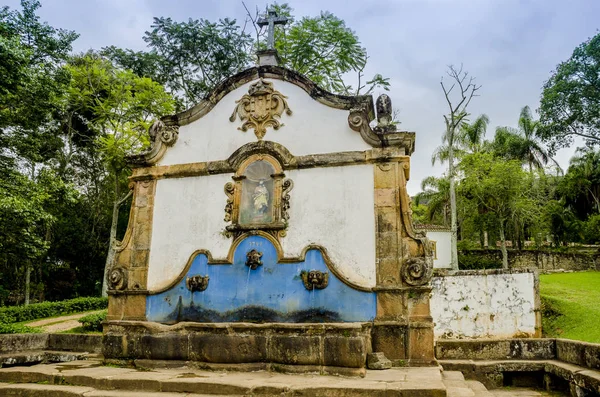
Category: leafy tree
[501,188]
[188,58]
[122,107]
[581,185]
[324,49]
[570,103]
[191,58]
[521,144]
[31,56]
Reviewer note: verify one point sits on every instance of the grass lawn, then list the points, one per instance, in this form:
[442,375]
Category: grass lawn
[571,305]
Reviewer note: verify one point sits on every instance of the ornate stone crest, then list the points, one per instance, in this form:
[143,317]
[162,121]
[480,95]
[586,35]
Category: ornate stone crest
[416,271]
[315,279]
[261,108]
[197,283]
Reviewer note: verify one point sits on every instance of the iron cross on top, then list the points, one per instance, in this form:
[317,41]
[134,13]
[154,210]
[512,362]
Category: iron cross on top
[271,20]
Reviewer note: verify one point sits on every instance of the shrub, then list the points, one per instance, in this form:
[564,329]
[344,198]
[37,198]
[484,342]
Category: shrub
[93,322]
[16,314]
[17,329]
[478,261]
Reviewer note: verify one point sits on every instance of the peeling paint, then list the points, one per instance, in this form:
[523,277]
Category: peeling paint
[484,305]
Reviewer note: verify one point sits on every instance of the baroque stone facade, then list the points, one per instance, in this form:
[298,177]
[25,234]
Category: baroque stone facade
[229,227]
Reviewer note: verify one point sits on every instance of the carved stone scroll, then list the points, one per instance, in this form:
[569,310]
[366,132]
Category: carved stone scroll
[287,187]
[416,271]
[229,191]
[261,108]
[117,278]
[162,136]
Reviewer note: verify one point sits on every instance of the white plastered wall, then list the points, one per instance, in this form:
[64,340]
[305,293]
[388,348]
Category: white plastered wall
[443,242]
[484,305]
[331,207]
[312,128]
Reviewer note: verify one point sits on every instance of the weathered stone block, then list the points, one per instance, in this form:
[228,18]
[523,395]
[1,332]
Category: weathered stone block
[420,346]
[390,305]
[378,360]
[75,342]
[302,350]
[113,346]
[341,351]
[164,347]
[532,349]
[227,348]
[390,339]
[570,351]
[19,342]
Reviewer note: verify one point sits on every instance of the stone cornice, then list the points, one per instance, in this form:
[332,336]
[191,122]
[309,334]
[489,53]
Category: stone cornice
[288,161]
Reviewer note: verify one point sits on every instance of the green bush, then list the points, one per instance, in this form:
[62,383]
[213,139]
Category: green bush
[17,314]
[475,262]
[93,322]
[17,329]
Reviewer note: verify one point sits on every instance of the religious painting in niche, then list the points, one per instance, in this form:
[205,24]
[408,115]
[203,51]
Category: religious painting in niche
[256,206]
[258,198]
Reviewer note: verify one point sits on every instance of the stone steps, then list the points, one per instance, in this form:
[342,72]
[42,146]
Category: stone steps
[457,386]
[90,378]
[43,390]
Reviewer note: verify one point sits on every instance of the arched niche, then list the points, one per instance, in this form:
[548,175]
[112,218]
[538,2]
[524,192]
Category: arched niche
[258,198]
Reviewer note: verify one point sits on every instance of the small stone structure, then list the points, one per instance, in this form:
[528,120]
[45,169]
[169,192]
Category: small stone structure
[273,202]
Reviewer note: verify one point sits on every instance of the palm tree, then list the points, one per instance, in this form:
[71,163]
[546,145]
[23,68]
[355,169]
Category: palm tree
[520,143]
[436,194]
[469,139]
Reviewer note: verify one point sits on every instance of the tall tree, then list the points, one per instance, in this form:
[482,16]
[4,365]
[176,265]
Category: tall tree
[499,186]
[122,107]
[570,103]
[459,92]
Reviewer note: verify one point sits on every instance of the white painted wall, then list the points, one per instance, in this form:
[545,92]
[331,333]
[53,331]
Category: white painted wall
[484,306]
[443,240]
[332,207]
[312,128]
[188,215]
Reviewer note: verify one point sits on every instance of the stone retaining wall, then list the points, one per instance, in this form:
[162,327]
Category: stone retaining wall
[60,342]
[543,260]
[486,303]
[570,351]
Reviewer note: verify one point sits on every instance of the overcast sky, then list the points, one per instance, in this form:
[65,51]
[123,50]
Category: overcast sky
[510,46]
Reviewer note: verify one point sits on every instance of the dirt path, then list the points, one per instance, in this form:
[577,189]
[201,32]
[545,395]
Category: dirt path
[58,324]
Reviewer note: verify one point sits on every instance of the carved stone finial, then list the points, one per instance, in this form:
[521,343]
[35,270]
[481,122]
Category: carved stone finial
[416,271]
[384,114]
[261,108]
[253,259]
[197,283]
[315,279]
